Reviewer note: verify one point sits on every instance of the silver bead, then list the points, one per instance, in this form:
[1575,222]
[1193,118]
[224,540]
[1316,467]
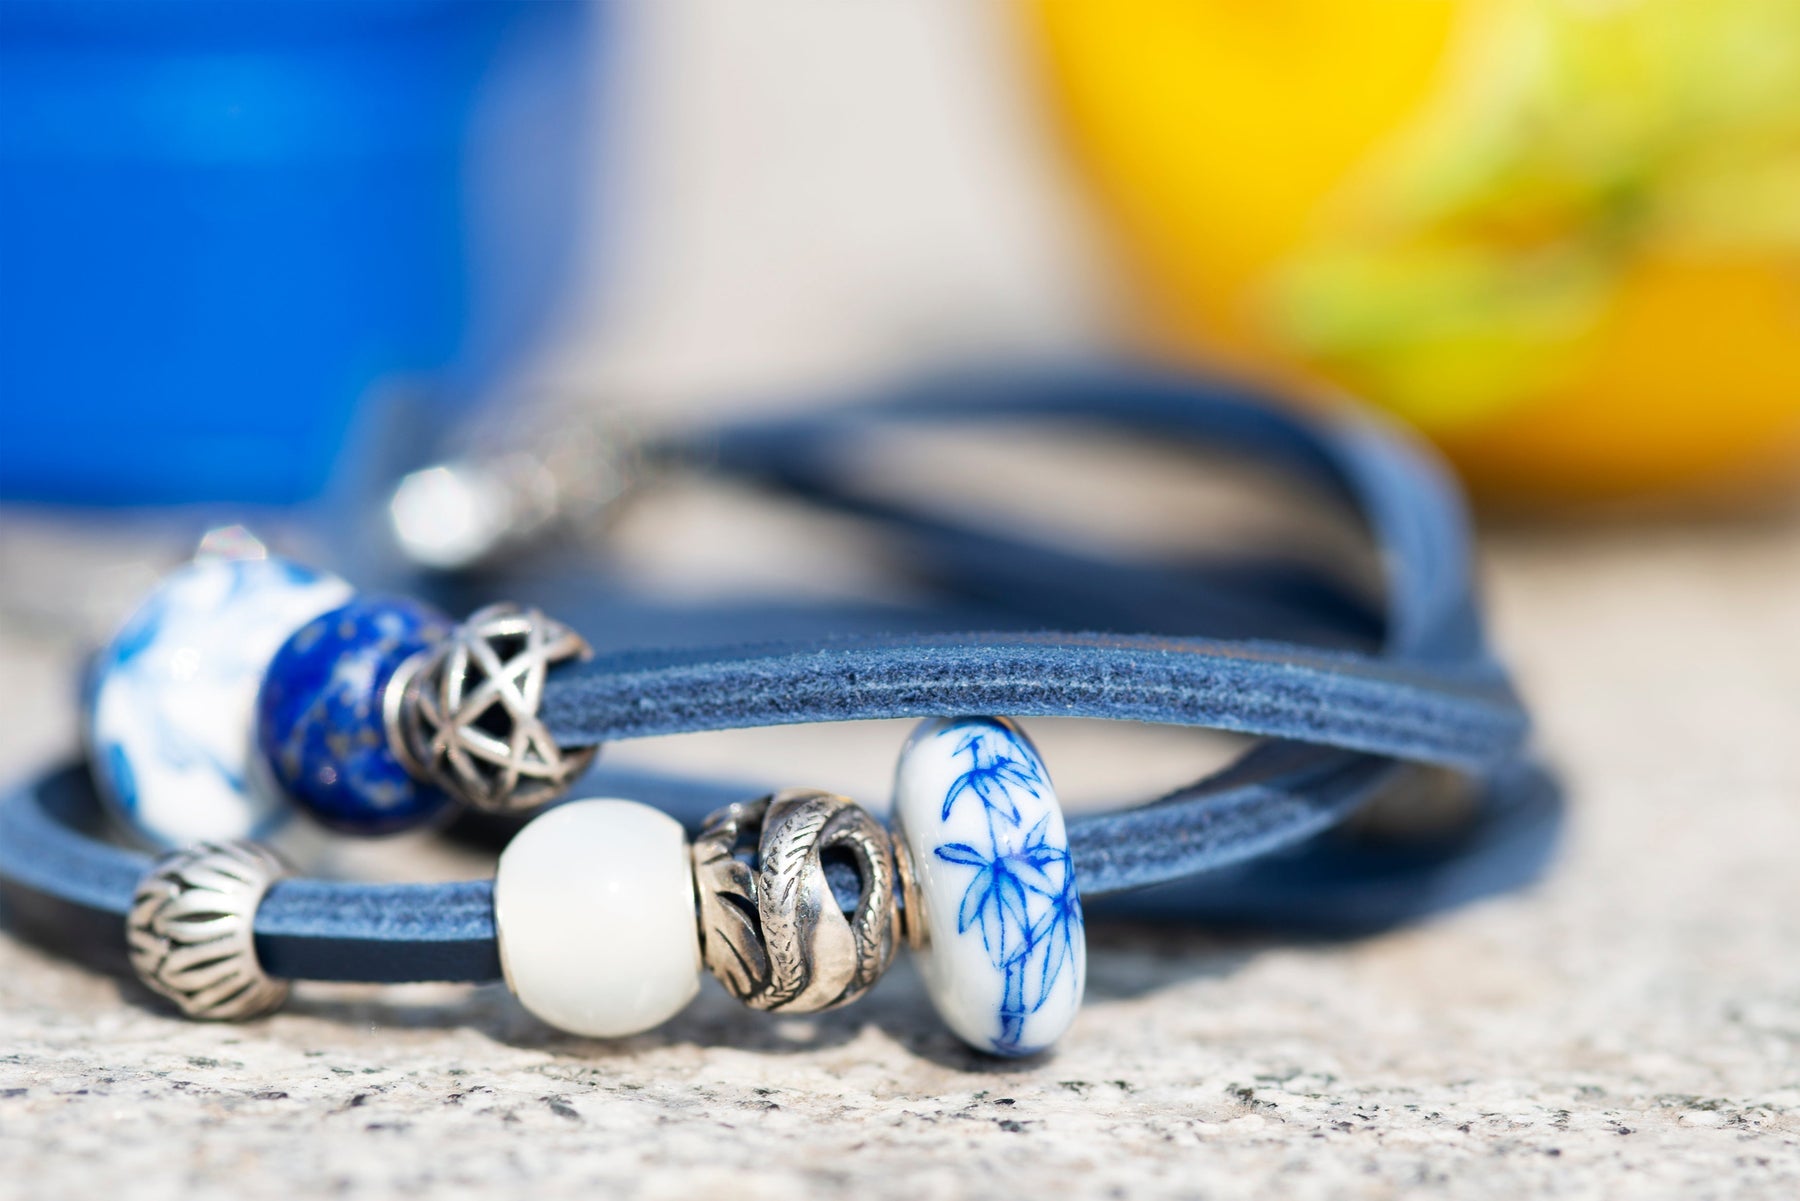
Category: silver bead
[463,715]
[915,931]
[538,476]
[773,934]
[191,930]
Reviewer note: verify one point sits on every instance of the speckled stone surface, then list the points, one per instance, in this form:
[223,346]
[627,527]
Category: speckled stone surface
[1629,1029]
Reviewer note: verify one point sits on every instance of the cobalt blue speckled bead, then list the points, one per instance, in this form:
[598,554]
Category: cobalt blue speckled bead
[320,721]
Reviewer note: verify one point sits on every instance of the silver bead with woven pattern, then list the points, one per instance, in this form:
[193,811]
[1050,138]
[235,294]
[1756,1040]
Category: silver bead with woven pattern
[464,714]
[771,929]
[191,930]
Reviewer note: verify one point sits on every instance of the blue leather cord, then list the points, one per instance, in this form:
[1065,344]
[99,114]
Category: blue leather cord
[1357,708]
[1413,511]
[1431,716]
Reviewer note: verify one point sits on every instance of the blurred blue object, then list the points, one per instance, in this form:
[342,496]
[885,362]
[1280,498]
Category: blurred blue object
[227,226]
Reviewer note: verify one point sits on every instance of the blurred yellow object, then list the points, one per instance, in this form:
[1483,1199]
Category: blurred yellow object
[1561,236]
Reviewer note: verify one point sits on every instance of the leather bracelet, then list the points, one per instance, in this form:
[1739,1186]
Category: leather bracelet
[1353,725]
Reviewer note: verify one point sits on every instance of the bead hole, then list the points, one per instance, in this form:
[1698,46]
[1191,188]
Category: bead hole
[495,721]
[843,871]
[508,646]
[746,846]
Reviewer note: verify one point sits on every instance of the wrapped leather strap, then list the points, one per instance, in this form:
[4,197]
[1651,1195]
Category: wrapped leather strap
[1254,842]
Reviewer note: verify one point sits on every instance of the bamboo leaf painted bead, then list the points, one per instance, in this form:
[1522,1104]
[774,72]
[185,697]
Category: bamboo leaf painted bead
[1005,948]
[321,716]
[594,909]
[171,713]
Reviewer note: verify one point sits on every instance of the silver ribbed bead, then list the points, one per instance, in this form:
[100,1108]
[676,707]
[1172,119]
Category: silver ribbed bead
[773,933]
[464,714]
[191,930]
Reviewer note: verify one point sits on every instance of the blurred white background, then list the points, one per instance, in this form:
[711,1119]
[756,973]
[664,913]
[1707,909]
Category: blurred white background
[801,193]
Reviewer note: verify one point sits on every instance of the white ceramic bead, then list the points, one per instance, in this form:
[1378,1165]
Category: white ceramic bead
[594,907]
[1006,960]
[172,707]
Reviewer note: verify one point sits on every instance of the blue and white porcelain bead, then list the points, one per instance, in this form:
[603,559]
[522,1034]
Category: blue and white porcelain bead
[1005,948]
[172,701]
[321,723]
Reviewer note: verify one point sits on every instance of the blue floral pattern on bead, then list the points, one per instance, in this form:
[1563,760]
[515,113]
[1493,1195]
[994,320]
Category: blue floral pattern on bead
[171,702]
[321,724]
[1021,897]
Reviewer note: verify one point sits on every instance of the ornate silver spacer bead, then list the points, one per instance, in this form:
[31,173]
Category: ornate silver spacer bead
[915,932]
[773,934]
[191,930]
[464,714]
